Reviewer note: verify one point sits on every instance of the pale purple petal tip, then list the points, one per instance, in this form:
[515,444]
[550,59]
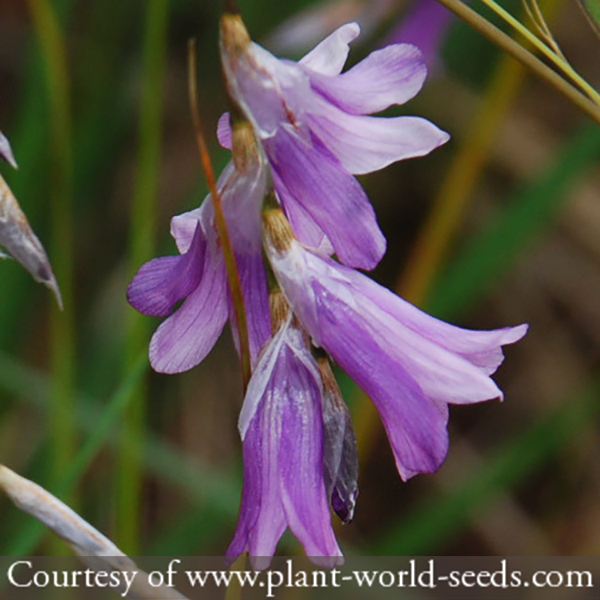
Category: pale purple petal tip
[188,335]
[162,282]
[330,195]
[329,57]
[389,76]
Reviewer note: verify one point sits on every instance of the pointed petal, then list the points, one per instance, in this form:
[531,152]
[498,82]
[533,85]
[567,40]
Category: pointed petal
[415,423]
[441,374]
[330,195]
[162,282]
[188,335]
[6,152]
[329,57]
[367,144]
[257,498]
[392,75]
[483,349]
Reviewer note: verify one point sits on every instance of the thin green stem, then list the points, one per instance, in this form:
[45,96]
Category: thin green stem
[130,463]
[226,245]
[62,427]
[517,51]
[550,54]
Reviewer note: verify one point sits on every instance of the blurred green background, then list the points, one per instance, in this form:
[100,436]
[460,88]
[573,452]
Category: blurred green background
[500,226]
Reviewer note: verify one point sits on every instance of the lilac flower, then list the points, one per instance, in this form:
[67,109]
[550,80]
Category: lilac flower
[199,278]
[281,424]
[411,365]
[313,122]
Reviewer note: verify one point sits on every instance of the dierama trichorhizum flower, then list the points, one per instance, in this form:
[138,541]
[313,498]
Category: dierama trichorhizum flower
[301,132]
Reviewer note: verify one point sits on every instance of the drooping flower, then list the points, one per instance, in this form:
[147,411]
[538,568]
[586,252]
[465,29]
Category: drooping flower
[410,364]
[281,425]
[198,275]
[314,123]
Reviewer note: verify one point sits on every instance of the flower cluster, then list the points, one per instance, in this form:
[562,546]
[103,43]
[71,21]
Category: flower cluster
[299,135]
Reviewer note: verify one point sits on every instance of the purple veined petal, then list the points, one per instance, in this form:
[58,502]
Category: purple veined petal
[304,226]
[188,335]
[255,290]
[162,282]
[6,152]
[415,423]
[330,195]
[224,131]
[365,144]
[481,348]
[392,75]
[283,453]
[330,56]
[442,375]
[259,496]
[410,377]
[424,27]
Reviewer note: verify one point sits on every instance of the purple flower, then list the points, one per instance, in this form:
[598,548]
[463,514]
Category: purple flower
[313,122]
[199,278]
[281,424]
[411,365]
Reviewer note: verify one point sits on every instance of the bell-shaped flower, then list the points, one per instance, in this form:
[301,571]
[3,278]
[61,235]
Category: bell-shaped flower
[314,123]
[198,277]
[410,364]
[281,424]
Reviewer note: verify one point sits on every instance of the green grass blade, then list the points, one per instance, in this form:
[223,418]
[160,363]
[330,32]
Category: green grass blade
[129,475]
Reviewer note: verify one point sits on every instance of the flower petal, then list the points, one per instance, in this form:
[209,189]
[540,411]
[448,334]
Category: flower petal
[409,376]
[301,461]
[392,75]
[162,282]
[483,349]
[329,57]
[330,195]
[304,226]
[188,335]
[224,131]
[367,144]
[262,521]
